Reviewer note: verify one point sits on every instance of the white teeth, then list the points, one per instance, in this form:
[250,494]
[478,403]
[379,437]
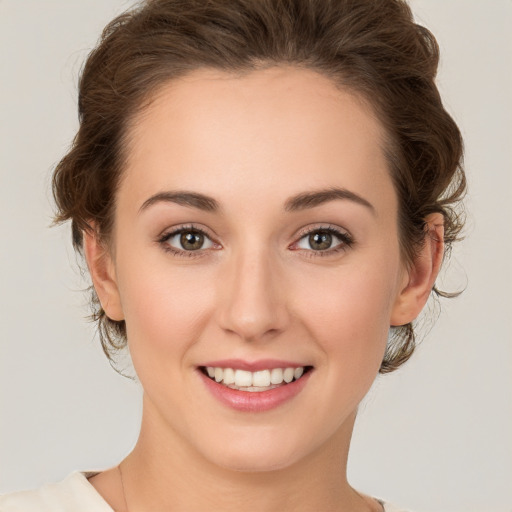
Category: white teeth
[288,374]
[276,376]
[261,380]
[229,376]
[243,378]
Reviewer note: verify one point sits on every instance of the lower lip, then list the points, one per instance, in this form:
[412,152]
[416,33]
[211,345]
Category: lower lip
[255,401]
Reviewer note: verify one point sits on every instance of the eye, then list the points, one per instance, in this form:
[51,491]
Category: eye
[324,240]
[186,240]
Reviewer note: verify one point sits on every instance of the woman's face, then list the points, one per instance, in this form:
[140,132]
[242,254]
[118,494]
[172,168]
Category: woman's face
[255,229]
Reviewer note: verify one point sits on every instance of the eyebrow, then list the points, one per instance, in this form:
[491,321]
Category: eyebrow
[183,198]
[318,197]
[295,203]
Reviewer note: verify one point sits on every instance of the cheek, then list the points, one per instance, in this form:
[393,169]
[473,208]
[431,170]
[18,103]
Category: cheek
[348,312]
[165,307]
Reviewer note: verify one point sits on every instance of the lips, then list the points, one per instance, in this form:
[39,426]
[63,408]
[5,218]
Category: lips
[257,386]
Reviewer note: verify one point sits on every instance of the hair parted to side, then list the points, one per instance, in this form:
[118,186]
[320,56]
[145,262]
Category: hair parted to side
[370,47]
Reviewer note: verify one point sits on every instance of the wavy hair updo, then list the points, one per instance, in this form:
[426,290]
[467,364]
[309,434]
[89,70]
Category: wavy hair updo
[370,47]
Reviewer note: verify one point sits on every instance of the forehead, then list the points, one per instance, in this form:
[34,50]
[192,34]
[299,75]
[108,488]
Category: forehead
[280,129]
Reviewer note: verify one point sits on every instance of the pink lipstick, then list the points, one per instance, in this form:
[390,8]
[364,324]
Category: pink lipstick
[254,386]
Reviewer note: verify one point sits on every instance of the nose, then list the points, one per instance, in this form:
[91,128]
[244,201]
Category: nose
[252,304]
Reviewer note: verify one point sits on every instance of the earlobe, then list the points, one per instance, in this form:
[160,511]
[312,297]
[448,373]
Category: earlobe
[420,278]
[102,270]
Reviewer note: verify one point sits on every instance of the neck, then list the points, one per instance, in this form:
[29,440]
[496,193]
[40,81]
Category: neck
[164,472]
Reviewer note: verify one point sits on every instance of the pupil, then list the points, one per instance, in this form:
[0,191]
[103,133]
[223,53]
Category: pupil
[321,240]
[192,241]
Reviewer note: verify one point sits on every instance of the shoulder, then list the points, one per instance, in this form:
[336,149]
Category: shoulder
[388,507]
[73,494]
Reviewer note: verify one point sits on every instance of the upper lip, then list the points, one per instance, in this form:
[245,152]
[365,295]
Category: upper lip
[253,366]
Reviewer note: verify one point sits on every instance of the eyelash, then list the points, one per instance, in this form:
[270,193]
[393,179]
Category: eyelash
[345,238]
[163,239]
[346,241]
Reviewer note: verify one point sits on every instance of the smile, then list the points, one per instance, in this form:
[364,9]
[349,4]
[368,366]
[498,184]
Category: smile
[264,388]
[258,381]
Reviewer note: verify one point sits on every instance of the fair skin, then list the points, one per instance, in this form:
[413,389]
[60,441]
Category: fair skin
[256,286]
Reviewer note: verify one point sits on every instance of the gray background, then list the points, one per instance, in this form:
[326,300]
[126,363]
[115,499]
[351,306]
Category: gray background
[435,436]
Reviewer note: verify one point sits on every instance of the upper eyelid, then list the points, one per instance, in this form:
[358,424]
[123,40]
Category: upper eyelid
[323,227]
[174,230]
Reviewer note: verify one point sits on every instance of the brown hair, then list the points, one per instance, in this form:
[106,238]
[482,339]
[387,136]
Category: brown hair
[372,47]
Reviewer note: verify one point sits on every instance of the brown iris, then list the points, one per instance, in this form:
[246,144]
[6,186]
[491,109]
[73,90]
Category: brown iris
[320,240]
[192,240]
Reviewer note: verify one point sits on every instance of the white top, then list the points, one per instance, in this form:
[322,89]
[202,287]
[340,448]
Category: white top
[73,494]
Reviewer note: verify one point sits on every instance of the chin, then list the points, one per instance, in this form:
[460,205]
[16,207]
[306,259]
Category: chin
[257,462]
[257,453]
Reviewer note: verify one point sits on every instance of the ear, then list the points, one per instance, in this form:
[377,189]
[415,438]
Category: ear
[102,270]
[420,278]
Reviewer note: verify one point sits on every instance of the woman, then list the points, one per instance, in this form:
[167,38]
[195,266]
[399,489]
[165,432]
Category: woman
[263,192]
